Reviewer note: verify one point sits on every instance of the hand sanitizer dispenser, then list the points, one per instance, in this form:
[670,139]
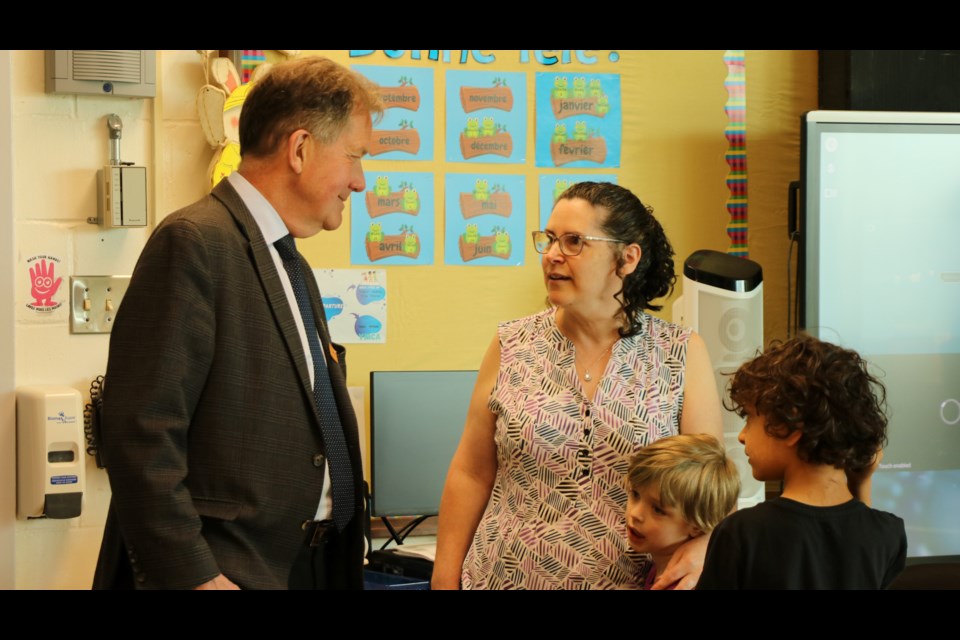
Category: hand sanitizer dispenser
[50,461]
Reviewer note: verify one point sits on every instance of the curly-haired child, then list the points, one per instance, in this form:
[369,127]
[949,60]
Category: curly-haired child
[815,420]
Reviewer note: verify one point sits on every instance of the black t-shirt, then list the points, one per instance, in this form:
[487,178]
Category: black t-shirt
[784,544]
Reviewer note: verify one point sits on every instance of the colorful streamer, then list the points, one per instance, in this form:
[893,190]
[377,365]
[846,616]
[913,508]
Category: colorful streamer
[250,59]
[736,134]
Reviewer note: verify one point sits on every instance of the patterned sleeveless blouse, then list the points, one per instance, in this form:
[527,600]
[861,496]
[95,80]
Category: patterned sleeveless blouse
[555,519]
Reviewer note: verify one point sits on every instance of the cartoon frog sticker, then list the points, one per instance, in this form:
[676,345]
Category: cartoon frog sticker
[560,133]
[488,128]
[560,87]
[481,190]
[472,234]
[579,87]
[580,130]
[375,234]
[411,201]
[473,128]
[411,243]
[382,186]
[603,105]
[501,243]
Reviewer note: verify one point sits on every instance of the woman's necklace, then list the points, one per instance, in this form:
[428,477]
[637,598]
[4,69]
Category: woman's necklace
[586,370]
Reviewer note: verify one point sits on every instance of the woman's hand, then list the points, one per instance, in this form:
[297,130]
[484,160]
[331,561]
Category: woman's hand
[685,566]
[860,482]
[449,581]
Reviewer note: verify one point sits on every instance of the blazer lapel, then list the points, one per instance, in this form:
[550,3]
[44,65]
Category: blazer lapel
[283,314]
[270,281]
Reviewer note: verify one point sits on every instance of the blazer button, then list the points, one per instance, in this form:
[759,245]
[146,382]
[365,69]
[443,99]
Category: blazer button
[318,460]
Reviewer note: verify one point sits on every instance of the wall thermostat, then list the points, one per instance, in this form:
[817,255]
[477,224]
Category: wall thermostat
[122,196]
[121,187]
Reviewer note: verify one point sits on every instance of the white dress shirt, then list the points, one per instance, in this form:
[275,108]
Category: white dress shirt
[272,228]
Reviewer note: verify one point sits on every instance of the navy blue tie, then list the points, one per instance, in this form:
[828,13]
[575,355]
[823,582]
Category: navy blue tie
[341,473]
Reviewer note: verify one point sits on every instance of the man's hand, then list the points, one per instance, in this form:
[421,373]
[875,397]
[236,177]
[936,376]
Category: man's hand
[220,582]
[685,566]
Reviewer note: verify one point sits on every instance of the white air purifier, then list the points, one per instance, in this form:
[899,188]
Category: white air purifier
[723,302]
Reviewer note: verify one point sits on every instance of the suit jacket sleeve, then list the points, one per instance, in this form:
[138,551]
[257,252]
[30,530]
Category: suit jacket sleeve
[161,349]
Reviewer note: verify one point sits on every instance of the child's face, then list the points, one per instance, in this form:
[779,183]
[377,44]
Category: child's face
[653,527]
[768,455]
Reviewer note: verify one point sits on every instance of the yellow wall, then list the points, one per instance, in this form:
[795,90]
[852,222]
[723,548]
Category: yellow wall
[443,317]
[781,85]
[440,317]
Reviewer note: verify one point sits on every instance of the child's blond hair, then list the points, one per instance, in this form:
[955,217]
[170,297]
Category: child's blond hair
[694,475]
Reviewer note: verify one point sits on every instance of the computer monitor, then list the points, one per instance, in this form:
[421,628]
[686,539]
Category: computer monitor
[880,196]
[416,419]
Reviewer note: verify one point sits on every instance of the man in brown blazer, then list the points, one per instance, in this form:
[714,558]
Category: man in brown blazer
[221,454]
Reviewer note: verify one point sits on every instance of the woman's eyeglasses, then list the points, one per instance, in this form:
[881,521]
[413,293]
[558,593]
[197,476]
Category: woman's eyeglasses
[571,244]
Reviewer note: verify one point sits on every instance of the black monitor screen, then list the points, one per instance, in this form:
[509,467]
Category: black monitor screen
[416,419]
[882,268]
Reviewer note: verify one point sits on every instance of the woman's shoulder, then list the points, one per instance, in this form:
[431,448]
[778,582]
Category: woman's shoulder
[537,322]
[523,332]
[663,331]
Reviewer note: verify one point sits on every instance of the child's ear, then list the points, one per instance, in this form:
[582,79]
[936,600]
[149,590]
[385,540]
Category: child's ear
[695,531]
[794,437]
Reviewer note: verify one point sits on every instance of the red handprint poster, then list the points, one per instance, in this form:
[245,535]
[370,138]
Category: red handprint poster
[44,283]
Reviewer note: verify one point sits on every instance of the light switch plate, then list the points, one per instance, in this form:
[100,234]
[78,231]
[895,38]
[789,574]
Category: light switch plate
[94,301]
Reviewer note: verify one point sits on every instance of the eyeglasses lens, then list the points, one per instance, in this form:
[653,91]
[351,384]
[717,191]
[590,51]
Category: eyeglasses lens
[541,242]
[571,243]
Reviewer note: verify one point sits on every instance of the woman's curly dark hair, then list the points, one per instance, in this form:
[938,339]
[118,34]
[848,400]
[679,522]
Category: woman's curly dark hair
[822,390]
[630,221]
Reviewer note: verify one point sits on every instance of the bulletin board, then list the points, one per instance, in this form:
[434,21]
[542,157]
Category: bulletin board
[485,139]
[468,158]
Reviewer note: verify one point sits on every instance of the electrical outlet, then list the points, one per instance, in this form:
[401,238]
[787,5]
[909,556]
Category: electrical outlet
[94,301]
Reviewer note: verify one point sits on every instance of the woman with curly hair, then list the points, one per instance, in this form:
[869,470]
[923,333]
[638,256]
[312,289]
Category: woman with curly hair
[535,496]
[815,420]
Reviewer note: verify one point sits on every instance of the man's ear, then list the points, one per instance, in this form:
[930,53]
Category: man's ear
[631,259]
[296,149]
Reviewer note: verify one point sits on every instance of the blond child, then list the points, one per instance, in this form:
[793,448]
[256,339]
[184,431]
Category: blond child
[678,488]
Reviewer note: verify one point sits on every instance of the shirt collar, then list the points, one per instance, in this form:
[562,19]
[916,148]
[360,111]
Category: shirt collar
[271,224]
